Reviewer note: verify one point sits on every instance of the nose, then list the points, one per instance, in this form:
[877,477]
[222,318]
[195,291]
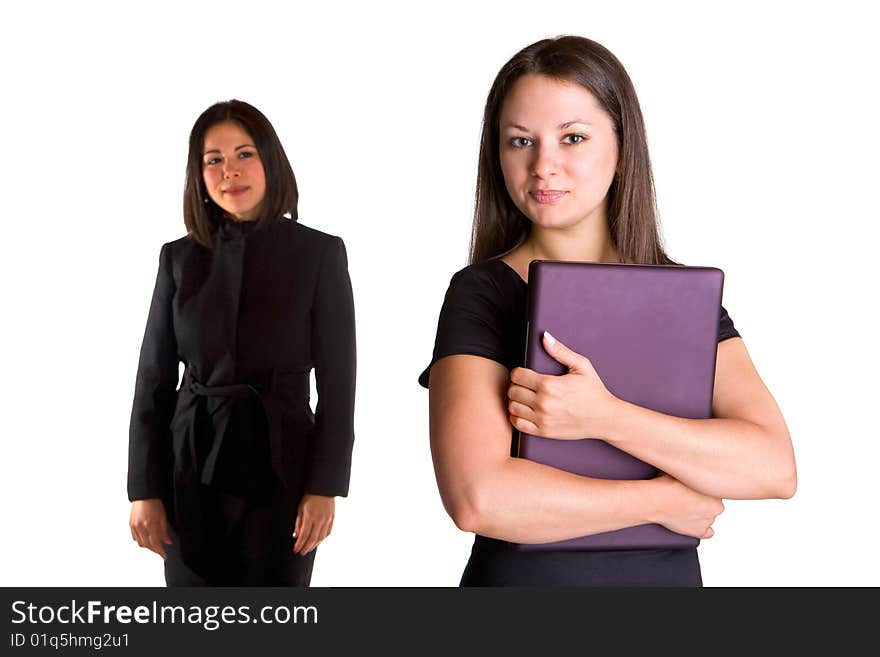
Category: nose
[230,168]
[546,160]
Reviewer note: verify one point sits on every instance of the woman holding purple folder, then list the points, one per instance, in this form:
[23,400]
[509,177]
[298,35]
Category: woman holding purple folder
[564,174]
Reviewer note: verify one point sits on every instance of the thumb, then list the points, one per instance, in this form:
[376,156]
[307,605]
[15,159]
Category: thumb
[571,359]
[297,525]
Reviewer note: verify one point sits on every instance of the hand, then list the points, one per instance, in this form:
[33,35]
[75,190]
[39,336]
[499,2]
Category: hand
[149,525]
[684,510]
[314,520]
[568,406]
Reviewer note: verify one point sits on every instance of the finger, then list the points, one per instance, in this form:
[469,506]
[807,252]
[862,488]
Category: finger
[322,530]
[521,410]
[325,528]
[142,536]
[297,525]
[156,546]
[309,544]
[522,395]
[525,426]
[316,540]
[328,527]
[304,537]
[561,353]
[165,535]
[522,376]
[318,537]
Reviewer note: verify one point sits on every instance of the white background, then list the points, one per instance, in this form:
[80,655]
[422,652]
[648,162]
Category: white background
[762,120]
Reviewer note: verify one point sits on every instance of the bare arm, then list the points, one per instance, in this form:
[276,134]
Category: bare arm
[743,452]
[488,492]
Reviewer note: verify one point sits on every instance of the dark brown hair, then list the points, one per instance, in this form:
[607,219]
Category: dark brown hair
[499,226]
[200,214]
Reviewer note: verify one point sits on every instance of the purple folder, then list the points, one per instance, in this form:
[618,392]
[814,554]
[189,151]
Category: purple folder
[651,332]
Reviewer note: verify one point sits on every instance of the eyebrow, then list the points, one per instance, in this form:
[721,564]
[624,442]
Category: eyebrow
[217,150]
[561,126]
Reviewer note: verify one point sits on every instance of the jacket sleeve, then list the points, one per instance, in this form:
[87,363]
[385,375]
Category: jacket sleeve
[155,394]
[328,462]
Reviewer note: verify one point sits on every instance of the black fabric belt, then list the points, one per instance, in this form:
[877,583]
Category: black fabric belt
[280,391]
[271,397]
[273,424]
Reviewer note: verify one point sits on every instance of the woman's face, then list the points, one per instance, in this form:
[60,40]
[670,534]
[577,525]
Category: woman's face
[558,151]
[233,172]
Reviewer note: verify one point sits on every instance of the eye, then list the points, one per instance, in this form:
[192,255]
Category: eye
[520,142]
[245,154]
[574,139]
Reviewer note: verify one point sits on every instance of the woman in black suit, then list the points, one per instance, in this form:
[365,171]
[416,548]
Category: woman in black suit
[232,478]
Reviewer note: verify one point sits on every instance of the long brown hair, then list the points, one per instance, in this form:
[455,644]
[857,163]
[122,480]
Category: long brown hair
[499,226]
[200,214]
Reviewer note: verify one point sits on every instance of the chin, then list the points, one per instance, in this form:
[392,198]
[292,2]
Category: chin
[557,218]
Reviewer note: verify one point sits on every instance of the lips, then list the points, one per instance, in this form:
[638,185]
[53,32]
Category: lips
[547,195]
[235,191]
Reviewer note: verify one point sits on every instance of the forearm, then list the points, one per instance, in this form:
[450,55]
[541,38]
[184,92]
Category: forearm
[742,452]
[328,461]
[526,502]
[488,492]
[722,457]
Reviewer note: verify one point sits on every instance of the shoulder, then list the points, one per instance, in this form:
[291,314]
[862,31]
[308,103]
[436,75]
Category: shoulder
[490,279]
[312,247]
[179,249]
[481,315]
[487,271]
[181,243]
[309,236]
[491,290]
[489,295]
[726,328]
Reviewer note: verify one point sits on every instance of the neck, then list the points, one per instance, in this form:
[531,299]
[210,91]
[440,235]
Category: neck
[590,243]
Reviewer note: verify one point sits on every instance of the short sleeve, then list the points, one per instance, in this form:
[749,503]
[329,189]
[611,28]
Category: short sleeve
[471,320]
[726,329]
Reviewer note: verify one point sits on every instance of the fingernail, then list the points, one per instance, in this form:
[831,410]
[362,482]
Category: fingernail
[549,338]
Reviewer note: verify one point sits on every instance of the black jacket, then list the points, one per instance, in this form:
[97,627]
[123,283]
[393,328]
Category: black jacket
[249,319]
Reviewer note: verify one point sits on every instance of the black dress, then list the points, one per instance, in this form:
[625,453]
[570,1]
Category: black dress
[484,314]
[232,447]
